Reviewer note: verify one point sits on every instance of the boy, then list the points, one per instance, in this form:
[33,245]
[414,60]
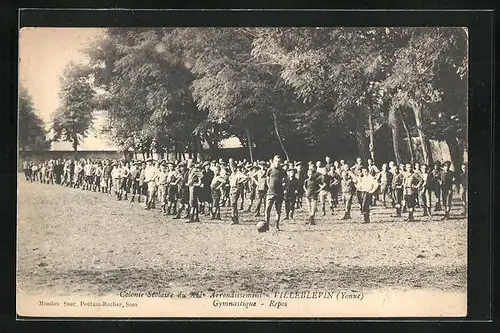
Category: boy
[216,186]
[205,195]
[260,177]
[237,180]
[384,179]
[397,189]
[172,189]
[291,191]
[149,179]
[311,190]
[324,191]
[161,180]
[425,191]
[194,183]
[412,183]
[275,180]
[366,185]
[348,190]
[183,190]
[446,181]
[464,187]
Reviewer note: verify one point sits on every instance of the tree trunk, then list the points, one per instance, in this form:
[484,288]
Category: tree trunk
[371,135]
[455,151]
[75,143]
[395,131]
[198,149]
[417,112]
[408,137]
[360,136]
[279,136]
[249,143]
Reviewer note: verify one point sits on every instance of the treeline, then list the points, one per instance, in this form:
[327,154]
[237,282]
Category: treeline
[292,90]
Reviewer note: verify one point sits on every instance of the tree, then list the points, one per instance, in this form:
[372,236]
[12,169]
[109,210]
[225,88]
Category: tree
[32,135]
[147,90]
[427,75]
[73,119]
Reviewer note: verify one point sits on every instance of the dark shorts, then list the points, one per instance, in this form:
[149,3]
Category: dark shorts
[253,193]
[204,194]
[136,189]
[172,193]
[410,200]
[184,195]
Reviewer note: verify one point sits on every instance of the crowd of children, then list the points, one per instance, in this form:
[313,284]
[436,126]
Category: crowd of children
[187,189]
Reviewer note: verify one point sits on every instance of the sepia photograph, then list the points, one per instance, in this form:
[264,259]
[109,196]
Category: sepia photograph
[242,172]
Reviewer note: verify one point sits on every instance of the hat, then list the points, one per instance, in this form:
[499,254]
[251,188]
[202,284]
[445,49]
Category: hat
[447,163]
[263,163]
[292,169]
[206,163]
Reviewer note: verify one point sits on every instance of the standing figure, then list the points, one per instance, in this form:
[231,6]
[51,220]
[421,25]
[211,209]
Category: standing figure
[216,186]
[397,189]
[464,187]
[366,185]
[412,184]
[237,181]
[434,185]
[446,182]
[348,190]
[194,183]
[311,191]
[205,195]
[275,180]
[172,189]
[425,190]
[161,181]
[384,179]
[150,181]
[291,190]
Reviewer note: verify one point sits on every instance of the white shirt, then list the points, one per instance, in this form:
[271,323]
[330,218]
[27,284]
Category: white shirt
[149,173]
[367,184]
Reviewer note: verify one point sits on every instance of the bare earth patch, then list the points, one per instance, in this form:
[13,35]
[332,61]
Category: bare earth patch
[74,242]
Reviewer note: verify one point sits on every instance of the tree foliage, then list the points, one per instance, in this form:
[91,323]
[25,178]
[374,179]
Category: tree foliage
[32,134]
[73,119]
[282,88]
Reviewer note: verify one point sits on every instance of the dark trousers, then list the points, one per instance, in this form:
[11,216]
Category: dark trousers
[216,195]
[234,194]
[276,201]
[397,194]
[290,206]
[446,197]
[366,199]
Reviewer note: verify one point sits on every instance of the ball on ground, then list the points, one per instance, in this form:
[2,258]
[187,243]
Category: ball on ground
[261,226]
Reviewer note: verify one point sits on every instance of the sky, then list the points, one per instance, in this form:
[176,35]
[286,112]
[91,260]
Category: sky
[43,55]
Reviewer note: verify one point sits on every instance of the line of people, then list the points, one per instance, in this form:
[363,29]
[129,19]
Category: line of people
[188,189]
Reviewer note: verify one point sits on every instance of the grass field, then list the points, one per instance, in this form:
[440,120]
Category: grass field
[74,242]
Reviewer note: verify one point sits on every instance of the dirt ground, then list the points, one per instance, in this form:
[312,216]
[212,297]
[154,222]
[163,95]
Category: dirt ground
[73,242]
